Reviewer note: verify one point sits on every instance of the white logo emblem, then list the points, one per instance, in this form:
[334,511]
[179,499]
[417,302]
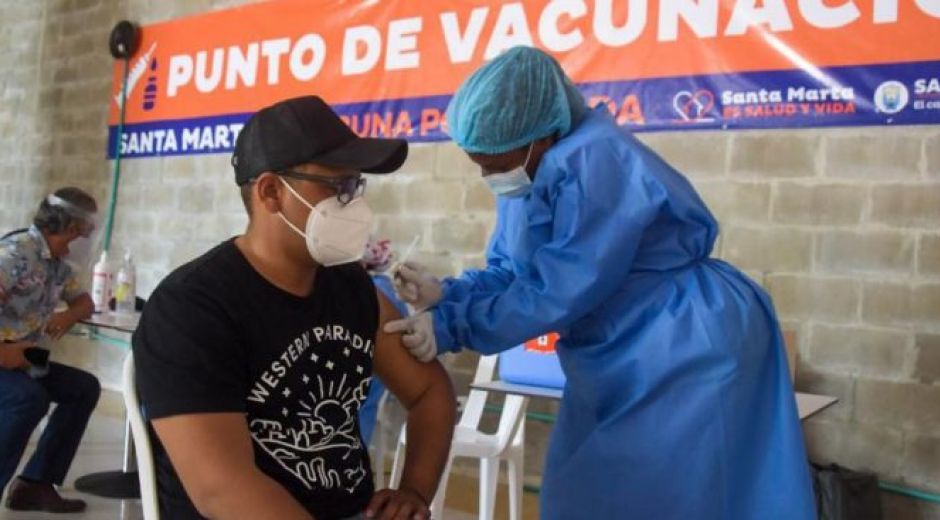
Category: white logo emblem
[891,97]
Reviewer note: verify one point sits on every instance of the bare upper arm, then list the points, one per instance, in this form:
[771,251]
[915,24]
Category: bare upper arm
[207,450]
[406,377]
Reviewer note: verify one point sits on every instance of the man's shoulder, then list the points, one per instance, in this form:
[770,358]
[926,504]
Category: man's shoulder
[352,279]
[11,252]
[19,243]
[198,297]
[18,255]
[351,273]
[209,274]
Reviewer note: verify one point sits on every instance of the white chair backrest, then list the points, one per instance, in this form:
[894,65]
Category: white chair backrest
[148,478]
[511,420]
[476,400]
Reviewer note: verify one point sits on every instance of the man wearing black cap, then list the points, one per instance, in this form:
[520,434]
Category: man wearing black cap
[253,360]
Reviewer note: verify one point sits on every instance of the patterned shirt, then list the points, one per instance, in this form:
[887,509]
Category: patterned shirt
[32,283]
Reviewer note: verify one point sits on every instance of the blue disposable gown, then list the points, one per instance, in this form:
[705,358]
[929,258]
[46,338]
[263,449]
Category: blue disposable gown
[678,403]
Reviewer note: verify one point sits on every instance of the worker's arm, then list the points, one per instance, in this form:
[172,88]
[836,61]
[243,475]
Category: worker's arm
[498,274]
[213,457]
[426,392]
[580,241]
[79,308]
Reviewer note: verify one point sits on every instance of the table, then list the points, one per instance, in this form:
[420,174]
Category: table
[122,483]
[114,321]
[807,404]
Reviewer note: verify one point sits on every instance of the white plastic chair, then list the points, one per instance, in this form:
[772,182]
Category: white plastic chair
[142,450]
[506,444]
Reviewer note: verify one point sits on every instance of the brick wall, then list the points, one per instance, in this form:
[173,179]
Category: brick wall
[24,141]
[841,225]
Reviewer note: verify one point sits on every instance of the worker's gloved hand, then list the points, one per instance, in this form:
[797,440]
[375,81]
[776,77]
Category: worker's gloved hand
[417,335]
[416,286]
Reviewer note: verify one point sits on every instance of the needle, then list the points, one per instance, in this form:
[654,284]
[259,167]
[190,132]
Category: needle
[406,256]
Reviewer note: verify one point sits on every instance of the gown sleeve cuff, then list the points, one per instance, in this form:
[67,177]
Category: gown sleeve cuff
[453,288]
[445,340]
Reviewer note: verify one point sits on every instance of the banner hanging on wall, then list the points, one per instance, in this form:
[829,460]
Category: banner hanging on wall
[389,68]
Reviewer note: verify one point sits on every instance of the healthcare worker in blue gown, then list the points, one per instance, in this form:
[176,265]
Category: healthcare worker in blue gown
[678,403]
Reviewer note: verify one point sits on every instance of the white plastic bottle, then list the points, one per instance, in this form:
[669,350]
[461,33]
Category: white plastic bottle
[125,287]
[101,283]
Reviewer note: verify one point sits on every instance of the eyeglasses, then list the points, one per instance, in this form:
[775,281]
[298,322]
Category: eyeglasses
[348,188]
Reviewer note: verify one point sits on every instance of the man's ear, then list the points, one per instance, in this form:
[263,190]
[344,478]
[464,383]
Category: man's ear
[544,143]
[267,191]
[539,147]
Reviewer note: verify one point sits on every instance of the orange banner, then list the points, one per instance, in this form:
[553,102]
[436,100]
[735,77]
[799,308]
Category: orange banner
[234,61]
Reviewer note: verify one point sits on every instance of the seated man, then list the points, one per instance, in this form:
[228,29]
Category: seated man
[254,359]
[34,278]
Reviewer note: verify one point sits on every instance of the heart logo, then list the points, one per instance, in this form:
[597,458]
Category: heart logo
[694,106]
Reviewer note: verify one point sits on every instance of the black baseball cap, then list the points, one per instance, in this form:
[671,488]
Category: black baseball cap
[304,130]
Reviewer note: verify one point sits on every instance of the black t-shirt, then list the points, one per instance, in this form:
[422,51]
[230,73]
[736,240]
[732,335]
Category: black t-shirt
[216,336]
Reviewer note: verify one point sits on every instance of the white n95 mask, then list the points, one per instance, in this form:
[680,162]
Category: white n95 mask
[514,183]
[335,233]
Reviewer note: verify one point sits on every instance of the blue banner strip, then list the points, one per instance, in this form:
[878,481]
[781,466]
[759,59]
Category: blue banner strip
[899,94]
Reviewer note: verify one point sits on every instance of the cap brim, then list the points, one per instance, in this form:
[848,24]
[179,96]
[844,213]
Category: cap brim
[368,155]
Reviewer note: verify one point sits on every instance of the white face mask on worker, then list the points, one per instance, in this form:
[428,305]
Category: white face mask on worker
[335,233]
[514,183]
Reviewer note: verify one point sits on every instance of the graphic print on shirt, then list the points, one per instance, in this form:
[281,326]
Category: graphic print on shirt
[308,401]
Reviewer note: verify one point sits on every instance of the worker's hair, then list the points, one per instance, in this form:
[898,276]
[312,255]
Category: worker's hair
[54,217]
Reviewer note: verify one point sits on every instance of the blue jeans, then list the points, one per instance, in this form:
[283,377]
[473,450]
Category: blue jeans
[24,402]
